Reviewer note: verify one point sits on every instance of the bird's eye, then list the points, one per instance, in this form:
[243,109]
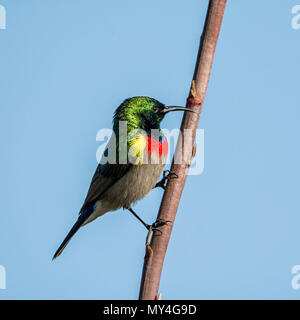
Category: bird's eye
[154,109]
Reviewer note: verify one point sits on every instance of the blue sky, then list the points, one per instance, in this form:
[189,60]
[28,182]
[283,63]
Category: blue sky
[66,65]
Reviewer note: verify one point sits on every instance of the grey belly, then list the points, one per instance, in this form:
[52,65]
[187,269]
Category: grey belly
[135,185]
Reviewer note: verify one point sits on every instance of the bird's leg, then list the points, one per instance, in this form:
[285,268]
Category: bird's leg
[167,175]
[155,225]
[147,226]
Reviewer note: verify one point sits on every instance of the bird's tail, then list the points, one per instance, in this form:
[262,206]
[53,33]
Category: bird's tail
[80,221]
[71,233]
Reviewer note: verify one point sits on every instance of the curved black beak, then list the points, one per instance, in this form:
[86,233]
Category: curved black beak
[174,108]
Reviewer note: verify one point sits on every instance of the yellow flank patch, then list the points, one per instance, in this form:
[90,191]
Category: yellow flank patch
[137,148]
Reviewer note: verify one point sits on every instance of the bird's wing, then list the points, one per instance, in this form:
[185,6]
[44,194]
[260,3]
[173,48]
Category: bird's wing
[105,176]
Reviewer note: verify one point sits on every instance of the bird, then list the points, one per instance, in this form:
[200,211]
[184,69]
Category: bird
[140,155]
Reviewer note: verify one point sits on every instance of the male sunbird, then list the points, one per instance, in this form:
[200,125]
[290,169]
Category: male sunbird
[118,184]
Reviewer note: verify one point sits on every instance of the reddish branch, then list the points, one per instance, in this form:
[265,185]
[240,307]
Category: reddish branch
[155,254]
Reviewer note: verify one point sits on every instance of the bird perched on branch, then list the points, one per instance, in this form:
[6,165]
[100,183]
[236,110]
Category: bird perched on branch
[131,164]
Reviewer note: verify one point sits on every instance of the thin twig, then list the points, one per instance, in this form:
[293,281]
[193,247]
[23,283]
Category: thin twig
[154,259]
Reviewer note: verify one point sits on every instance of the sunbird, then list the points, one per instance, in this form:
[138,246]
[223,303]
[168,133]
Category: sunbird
[120,183]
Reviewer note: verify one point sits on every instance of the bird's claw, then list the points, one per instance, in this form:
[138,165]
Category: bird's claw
[157,224]
[155,227]
[167,175]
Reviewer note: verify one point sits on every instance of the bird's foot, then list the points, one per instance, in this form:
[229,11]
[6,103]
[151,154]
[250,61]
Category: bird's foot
[159,223]
[155,227]
[167,175]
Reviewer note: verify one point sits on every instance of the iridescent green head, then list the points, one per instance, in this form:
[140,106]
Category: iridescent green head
[143,113]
